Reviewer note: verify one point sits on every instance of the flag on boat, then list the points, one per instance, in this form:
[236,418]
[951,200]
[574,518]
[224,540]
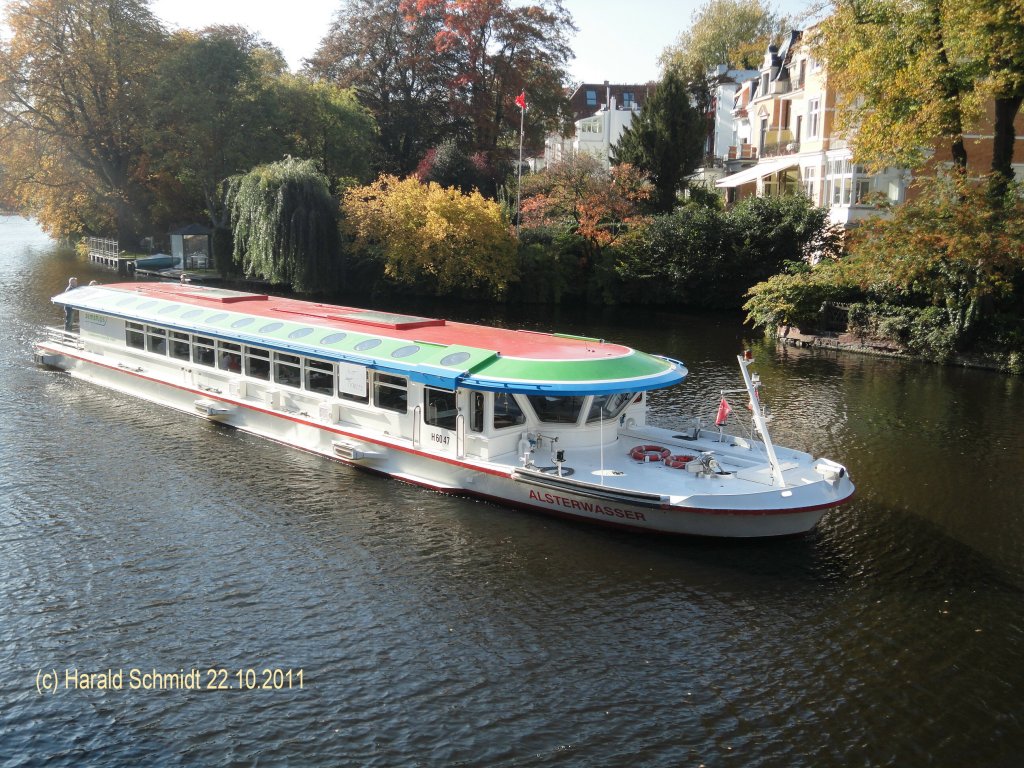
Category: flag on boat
[723,412]
[521,100]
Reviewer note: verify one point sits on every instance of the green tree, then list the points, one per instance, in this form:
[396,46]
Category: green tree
[730,32]
[72,86]
[285,225]
[212,113]
[666,140]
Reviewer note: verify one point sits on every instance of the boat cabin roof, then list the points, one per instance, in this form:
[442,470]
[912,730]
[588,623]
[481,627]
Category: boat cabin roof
[433,351]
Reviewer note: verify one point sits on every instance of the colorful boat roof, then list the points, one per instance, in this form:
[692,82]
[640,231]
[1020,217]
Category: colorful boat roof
[432,351]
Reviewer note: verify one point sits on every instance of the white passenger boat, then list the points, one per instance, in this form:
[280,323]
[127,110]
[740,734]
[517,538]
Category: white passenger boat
[539,421]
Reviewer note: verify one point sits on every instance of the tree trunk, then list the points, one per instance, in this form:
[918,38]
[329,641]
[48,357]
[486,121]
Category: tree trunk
[1003,142]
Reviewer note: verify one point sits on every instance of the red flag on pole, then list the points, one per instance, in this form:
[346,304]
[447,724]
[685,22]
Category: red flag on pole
[723,413]
[521,100]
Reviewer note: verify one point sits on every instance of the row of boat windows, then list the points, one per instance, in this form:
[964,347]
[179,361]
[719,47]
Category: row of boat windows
[389,392]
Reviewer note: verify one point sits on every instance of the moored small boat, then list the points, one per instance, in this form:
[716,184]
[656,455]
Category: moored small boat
[547,422]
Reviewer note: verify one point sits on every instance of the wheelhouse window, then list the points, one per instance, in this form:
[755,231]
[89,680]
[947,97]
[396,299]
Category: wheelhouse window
[287,370]
[156,340]
[442,409]
[557,410]
[606,407]
[257,363]
[476,411]
[390,392]
[180,348]
[134,335]
[203,351]
[319,377]
[507,412]
[229,356]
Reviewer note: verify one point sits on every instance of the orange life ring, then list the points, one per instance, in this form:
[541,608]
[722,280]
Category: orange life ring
[650,453]
[679,461]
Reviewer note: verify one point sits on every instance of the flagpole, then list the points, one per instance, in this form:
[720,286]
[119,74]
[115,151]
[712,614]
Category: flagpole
[519,170]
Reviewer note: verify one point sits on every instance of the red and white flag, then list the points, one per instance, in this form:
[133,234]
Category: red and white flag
[521,100]
[723,412]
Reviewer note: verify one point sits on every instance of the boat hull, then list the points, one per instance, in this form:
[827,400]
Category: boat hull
[713,515]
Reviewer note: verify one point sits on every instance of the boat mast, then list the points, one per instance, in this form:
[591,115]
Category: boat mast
[745,361]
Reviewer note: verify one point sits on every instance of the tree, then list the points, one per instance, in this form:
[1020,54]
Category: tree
[327,123]
[285,225]
[389,58]
[72,83]
[731,32]
[914,73]
[666,140]
[503,49]
[432,235]
[212,113]
[579,199]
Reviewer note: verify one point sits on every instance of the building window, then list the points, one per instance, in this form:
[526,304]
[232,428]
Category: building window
[591,98]
[813,118]
[441,408]
[390,392]
[847,184]
[628,99]
[811,184]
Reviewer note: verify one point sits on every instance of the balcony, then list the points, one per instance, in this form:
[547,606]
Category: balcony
[743,152]
[779,143]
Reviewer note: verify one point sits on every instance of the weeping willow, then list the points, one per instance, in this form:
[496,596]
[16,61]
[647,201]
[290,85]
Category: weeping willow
[285,225]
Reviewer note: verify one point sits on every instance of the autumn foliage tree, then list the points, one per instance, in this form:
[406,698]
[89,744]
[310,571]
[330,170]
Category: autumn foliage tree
[580,199]
[73,75]
[432,236]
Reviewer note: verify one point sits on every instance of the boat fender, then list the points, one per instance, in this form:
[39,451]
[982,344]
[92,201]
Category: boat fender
[648,453]
[679,461]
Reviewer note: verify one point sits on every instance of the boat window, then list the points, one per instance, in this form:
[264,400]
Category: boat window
[408,349]
[229,356]
[257,363]
[333,338]
[320,377]
[362,346]
[299,333]
[134,336]
[557,410]
[441,410]
[390,392]
[156,340]
[476,409]
[608,406]
[286,370]
[241,323]
[180,348]
[202,351]
[507,412]
[352,383]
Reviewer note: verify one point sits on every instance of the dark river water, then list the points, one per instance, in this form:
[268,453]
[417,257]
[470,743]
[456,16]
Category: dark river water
[436,631]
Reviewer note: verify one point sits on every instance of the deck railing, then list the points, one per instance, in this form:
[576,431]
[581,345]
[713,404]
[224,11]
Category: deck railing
[64,337]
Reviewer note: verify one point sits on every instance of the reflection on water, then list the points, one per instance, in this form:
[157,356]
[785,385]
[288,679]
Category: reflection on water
[441,631]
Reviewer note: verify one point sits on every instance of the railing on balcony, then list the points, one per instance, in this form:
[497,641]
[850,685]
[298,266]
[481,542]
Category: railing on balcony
[778,143]
[743,152]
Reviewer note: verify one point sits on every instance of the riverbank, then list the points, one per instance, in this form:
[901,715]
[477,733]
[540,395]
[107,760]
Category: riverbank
[861,345]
